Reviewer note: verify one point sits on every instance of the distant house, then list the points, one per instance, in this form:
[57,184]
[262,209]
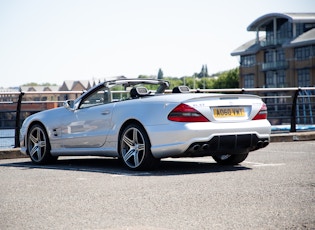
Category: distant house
[37,98]
[8,97]
[34,93]
[71,85]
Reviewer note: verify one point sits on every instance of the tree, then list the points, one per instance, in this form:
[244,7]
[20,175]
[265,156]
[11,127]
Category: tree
[227,80]
[160,74]
[203,72]
[174,82]
[143,76]
[42,84]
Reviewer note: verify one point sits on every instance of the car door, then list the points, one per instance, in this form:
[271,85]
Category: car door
[88,125]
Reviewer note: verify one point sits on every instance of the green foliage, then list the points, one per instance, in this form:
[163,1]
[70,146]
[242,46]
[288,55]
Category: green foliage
[174,82]
[144,76]
[42,84]
[190,82]
[223,80]
[207,83]
[227,80]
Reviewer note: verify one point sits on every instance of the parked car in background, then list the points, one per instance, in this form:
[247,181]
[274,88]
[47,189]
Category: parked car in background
[136,121]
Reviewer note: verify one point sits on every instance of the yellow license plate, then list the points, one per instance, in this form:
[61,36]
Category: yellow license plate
[228,112]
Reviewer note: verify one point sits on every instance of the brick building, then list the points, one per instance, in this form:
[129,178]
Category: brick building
[282,54]
[36,98]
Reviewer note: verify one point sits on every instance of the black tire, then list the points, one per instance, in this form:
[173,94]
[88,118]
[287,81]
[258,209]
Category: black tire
[227,159]
[135,148]
[38,145]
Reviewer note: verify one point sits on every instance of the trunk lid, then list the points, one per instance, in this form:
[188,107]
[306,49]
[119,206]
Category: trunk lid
[227,107]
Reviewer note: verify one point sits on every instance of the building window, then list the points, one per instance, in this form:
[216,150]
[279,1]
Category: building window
[269,56]
[281,79]
[280,55]
[248,60]
[274,55]
[275,79]
[270,80]
[304,52]
[249,81]
[303,27]
[299,29]
[303,77]
[284,30]
[269,33]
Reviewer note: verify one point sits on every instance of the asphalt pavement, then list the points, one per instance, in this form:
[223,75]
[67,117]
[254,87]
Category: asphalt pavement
[273,188]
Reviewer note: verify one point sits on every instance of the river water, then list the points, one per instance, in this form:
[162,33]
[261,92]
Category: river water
[6,138]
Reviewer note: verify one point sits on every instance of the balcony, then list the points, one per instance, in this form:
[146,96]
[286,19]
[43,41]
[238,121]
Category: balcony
[275,65]
[277,85]
[274,42]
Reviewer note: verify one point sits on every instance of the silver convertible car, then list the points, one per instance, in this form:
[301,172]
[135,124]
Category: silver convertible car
[142,121]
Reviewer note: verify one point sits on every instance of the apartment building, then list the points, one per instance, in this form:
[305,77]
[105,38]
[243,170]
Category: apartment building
[282,53]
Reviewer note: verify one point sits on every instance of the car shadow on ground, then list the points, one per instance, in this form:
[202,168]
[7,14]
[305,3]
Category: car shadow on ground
[115,167]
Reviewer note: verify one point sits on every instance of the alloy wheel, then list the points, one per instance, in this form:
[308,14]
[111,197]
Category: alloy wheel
[133,147]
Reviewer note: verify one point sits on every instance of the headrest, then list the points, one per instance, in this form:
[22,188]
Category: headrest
[181,89]
[138,91]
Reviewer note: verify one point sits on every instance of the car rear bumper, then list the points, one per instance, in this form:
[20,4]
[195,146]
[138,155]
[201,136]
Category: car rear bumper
[196,140]
[228,144]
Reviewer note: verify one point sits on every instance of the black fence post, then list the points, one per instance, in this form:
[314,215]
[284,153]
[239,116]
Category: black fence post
[17,121]
[293,111]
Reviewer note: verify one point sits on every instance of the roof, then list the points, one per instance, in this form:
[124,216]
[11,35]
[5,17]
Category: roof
[307,38]
[10,89]
[69,85]
[39,88]
[250,47]
[261,22]
[85,83]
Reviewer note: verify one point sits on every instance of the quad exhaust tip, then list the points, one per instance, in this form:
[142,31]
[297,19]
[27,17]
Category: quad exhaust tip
[198,147]
[262,144]
[204,147]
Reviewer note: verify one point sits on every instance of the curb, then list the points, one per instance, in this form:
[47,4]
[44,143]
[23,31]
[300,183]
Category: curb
[276,137]
[11,154]
[288,137]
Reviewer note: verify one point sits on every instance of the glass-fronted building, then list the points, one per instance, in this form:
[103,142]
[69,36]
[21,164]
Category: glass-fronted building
[282,54]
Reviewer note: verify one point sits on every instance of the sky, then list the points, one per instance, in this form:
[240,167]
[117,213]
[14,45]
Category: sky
[56,40]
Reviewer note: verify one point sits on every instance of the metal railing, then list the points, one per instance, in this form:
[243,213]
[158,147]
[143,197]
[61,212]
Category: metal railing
[273,42]
[286,106]
[275,65]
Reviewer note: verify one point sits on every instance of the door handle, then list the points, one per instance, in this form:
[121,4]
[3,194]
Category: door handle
[106,112]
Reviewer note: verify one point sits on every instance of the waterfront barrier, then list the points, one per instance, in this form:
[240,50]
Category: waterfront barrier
[289,107]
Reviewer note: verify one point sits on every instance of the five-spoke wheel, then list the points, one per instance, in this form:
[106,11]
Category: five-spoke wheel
[38,145]
[134,148]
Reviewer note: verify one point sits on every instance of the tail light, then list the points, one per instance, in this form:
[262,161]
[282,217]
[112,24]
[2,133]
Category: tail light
[185,113]
[262,114]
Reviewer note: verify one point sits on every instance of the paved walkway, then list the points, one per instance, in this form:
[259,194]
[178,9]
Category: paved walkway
[298,136]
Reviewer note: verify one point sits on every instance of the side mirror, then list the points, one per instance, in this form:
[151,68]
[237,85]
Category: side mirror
[69,104]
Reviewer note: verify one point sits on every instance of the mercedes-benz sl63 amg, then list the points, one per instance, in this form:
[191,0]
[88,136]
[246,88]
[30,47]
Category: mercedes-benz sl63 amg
[141,121]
